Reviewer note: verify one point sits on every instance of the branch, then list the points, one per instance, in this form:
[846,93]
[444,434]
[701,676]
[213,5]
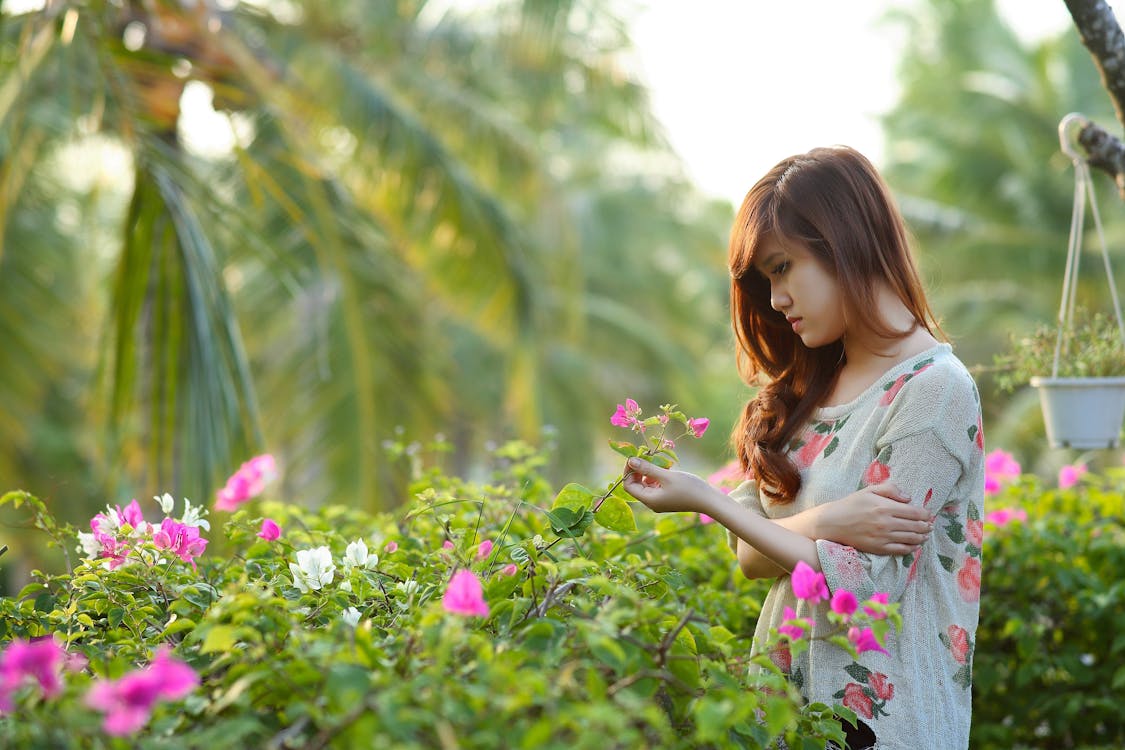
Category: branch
[1102,36]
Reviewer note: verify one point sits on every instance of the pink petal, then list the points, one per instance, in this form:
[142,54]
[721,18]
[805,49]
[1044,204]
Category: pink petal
[270,530]
[465,595]
[808,584]
[844,602]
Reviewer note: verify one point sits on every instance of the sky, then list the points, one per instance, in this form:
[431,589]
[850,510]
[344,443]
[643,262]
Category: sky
[741,84]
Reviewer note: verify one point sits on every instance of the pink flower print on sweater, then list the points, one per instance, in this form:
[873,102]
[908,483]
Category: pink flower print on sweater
[892,388]
[968,579]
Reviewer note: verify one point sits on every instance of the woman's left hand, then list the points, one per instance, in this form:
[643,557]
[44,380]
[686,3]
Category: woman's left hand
[665,490]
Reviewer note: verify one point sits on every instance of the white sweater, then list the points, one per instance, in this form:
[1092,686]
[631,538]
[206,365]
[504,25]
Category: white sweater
[919,425]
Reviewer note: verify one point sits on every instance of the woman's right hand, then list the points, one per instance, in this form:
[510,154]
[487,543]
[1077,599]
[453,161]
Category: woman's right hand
[877,520]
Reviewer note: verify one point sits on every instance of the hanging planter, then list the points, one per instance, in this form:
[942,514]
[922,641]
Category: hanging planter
[1083,397]
[1082,413]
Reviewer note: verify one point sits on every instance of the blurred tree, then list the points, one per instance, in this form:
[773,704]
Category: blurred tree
[972,145]
[406,221]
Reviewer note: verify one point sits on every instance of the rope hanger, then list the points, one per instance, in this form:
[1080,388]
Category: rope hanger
[1083,186]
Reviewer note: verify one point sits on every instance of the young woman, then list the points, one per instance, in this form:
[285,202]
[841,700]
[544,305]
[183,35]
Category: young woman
[864,443]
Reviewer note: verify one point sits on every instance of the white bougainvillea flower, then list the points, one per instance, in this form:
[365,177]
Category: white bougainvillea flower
[356,556]
[350,616]
[313,570]
[167,503]
[194,516]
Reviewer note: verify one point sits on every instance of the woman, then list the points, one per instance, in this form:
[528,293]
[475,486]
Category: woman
[864,436]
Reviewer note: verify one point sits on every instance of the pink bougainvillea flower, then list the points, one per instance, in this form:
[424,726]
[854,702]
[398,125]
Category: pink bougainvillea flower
[999,467]
[447,544]
[705,519]
[391,547]
[877,598]
[865,640]
[127,702]
[699,426]
[132,515]
[793,631]
[180,539]
[729,476]
[1005,515]
[627,415]
[270,530]
[246,483]
[510,569]
[465,596]
[40,659]
[1069,475]
[844,603]
[808,584]
[485,549]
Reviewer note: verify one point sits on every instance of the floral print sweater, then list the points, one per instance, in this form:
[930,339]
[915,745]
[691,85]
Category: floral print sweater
[920,426]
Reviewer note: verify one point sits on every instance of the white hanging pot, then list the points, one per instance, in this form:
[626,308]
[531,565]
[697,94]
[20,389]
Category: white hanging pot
[1082,413]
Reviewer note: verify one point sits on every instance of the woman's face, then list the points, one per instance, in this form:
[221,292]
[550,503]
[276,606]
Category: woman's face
[804,291]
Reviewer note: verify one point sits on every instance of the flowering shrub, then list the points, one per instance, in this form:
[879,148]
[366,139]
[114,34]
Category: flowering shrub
[479,615]
[1047,667]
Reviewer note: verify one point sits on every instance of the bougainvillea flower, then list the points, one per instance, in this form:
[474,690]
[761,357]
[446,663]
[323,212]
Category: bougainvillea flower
[705,519]
[485,549]
[699,426]
[877,598]
[627,415]
[357,556]
[180,539]
[844,603]
[40,660]
[793,631]
[808,584]
[510,569]
[865,640]
[1069,475]
[1005,515]
[127,702]
[270,530]
[313,570]
[391,547]
[246,483]
[465,596]
[999,467]
[447,544]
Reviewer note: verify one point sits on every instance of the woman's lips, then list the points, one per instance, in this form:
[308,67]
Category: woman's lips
[796,323]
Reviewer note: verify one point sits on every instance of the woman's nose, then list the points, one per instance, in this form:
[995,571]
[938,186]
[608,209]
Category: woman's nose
[779,300]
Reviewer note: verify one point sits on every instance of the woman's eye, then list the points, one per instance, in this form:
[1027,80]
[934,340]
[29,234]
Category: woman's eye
[780,268]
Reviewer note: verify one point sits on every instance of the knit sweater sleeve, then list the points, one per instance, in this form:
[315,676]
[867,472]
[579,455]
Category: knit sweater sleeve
[746,495]
[925,447]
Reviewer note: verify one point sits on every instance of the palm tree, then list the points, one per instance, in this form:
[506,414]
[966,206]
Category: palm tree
[421,226]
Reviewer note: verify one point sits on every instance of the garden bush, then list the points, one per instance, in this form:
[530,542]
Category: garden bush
[1050,651]
[480,615]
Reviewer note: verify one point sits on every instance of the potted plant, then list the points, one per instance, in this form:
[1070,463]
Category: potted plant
[1079,371]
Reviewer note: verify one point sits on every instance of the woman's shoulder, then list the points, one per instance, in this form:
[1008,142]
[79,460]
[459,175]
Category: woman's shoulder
[935,391]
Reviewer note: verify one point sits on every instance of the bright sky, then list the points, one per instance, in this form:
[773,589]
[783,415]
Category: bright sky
[741,84]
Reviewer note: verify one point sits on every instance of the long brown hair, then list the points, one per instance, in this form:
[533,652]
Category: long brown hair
[833,202]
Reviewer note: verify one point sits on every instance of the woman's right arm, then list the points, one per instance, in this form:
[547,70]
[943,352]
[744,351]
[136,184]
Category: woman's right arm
[877,520]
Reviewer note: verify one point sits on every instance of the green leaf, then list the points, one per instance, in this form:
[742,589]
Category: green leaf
[625,448]
[567,523]
[219,638]
[574,496]
[946,562]
[179,625]
[616,515]
[832,446]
